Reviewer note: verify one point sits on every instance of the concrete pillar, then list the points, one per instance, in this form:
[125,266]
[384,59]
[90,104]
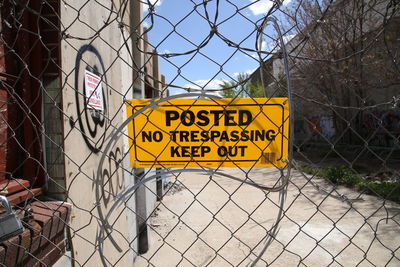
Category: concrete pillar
[137,42]
[138,92]
[164,90]
[156,75]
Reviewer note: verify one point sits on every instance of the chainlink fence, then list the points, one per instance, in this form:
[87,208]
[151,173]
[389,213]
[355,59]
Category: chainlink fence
[69,71]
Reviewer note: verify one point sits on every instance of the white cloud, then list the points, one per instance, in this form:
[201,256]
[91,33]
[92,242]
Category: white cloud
[260,7]
[248,72]
[205,84]
[153,2]
[199,84]
[176,91]
[254,56]
[156,2]
[214,84]
[288,37]
[263,6]
[269,46]
[274,46]
[146,24]
[263,45]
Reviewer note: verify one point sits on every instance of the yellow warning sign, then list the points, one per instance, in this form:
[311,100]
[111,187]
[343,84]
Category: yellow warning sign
[216,133]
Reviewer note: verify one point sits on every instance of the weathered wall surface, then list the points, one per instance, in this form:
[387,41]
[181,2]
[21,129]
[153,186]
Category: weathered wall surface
[102,51]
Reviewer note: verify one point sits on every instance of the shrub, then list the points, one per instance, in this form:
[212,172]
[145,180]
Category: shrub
[309,170]
[342,175]
[387,190]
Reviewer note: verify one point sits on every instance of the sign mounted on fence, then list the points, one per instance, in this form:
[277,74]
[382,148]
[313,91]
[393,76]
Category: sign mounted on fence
[218,133]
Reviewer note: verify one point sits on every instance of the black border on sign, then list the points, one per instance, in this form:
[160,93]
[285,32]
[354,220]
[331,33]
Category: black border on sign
[182,161]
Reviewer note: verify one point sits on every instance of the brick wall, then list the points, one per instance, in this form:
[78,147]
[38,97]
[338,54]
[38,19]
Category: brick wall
[43,241]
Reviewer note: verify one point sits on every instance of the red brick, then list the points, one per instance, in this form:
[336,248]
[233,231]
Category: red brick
[2,254]
[50,219]
[63,209]
[12,248]
[54,255]
[44,218]
[57,244]
[46,231]
[36,230]
[3,125]
[54,212]
[24,241]
[14,185]
[24,195]
[40,227]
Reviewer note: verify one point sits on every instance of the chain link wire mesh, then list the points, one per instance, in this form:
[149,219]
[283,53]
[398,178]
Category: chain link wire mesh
[64,154]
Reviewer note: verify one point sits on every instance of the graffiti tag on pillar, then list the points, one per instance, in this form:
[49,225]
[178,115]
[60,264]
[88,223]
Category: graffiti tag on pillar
[92,122]
[112,176]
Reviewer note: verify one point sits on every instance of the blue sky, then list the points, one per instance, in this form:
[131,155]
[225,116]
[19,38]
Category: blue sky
[205,67]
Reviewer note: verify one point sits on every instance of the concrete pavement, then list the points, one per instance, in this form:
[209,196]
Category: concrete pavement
[221,222]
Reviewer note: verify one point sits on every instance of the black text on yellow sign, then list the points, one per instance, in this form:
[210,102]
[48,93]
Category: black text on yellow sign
[218,133]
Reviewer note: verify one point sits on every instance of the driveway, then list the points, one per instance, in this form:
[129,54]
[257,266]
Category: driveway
[219,221]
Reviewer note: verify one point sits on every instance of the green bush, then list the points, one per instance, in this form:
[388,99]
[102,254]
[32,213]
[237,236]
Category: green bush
[342,175]
[309,170]
[387,190]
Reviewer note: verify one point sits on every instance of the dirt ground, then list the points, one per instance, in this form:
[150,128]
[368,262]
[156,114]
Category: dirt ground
[222,222]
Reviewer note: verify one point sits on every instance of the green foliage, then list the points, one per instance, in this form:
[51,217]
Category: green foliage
[241,88]
[309,170]
[342,175]
[228,92]
[387,190]
[255,90]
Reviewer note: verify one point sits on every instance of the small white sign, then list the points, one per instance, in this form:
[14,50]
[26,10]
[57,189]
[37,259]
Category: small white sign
[93,91]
